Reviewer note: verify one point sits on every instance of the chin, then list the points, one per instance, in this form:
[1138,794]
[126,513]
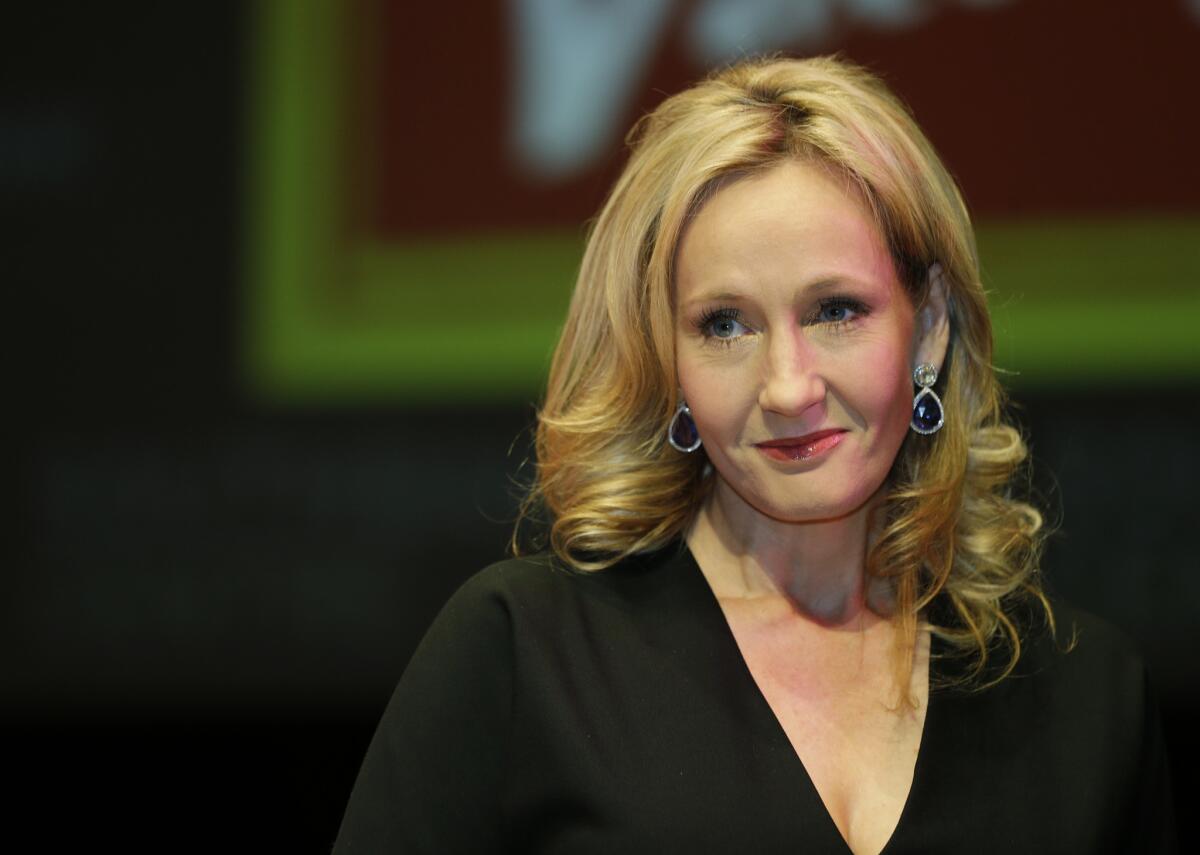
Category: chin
[812,509]
[832,498]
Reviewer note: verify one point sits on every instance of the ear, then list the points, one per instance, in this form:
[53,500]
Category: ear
[931,333]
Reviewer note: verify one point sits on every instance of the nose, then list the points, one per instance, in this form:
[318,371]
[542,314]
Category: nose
[792,382]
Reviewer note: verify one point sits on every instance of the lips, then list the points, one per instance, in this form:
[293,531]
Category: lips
[805,447]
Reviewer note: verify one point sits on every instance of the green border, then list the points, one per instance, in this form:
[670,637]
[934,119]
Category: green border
[329,320]
[1084,303]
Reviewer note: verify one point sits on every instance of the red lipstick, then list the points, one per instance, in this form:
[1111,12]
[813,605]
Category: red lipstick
[805,447]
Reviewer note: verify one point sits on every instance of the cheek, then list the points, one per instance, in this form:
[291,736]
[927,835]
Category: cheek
[893,391]
[891,359]
[872,390]
[891,397]
[717,394]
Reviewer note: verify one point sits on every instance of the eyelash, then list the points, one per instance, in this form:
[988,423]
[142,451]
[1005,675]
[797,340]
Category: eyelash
[729,313]
[859,309]
[711,316]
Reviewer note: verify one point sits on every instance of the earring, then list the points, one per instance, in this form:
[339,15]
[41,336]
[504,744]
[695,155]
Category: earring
[928,416]
[681,432]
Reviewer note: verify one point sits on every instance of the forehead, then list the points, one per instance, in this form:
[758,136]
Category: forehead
[795,223]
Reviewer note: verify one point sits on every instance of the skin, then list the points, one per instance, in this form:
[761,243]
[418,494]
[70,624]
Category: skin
[790,320]
[824,338]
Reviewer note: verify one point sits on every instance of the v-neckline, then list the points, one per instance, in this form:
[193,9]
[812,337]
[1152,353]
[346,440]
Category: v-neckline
[771,722]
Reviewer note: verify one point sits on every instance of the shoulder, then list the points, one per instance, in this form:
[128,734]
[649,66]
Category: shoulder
[1084,646]
[524,576]
[543,584]
[1072,733]
[1074,646]
[1091,715]
[533,613]
[1078,699]
[1078,665]
[1087,677]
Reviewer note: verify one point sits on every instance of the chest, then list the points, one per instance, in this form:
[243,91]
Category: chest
[834,696]
[656,733]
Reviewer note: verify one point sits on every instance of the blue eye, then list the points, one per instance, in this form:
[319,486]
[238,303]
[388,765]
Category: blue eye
[726,327]
[834,313]
[839,310]
[722,324]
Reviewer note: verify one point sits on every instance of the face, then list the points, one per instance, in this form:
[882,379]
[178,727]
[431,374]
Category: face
[795,343]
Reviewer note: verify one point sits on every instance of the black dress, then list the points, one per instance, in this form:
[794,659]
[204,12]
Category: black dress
[553,712]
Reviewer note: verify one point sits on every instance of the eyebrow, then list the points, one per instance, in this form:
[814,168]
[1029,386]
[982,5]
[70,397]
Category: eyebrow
[820,286]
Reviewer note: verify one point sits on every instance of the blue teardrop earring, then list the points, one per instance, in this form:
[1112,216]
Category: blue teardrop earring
[681,432]
[928,415]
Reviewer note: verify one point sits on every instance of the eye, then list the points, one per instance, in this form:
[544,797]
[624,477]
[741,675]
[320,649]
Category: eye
[839,310]
[724,324]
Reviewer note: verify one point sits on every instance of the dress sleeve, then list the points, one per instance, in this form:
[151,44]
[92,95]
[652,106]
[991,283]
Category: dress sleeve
[433,777]
[1156,816]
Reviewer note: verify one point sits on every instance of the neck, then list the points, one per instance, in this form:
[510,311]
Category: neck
[818,566]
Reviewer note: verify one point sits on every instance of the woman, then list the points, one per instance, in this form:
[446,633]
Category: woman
[790,604]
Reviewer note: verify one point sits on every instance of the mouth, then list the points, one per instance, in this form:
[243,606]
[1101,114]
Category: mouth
[805,447]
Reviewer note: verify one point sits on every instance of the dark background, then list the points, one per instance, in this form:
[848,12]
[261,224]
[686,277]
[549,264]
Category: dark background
[209,599]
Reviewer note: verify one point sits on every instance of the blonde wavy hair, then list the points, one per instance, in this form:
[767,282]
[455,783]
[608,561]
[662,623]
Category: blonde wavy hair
[960,551]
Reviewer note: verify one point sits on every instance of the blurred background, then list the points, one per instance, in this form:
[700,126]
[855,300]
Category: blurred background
[289,274]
